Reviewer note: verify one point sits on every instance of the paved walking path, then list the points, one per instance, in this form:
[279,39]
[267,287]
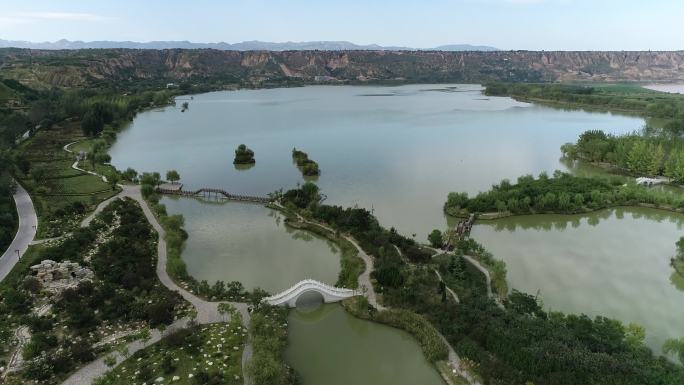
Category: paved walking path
[28,223]
[207,312]
[75,165]
[364,278]
[89,373]
[453,359]
[453,294]
[477,265]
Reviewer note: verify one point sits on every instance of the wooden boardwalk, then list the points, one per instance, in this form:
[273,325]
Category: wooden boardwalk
[216,193]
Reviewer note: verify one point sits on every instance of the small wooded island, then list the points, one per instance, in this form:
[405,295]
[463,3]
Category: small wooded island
[244,155]
[307,166]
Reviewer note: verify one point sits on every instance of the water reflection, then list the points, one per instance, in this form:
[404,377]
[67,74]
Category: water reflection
[328,346]
[677,280]
[235,241]
[244,167]
[556,222]
[613,262]
[375,152]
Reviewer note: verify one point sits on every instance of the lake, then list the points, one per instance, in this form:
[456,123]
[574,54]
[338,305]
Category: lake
[614,263]
[244,242]
[329,346]
[399,151]
[395,150]
[669,88]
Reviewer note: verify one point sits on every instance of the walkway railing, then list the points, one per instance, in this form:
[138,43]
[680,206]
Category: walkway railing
[312,283]
[217,192]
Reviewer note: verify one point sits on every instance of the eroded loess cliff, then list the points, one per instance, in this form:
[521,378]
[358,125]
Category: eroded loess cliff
[81,67]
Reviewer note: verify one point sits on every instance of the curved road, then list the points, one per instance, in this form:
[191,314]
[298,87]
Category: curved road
[28,223]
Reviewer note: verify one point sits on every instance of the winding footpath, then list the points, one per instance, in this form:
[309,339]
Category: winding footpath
[453,294]
[477,265]
[365,283]
[28,224]
[453,360]
[75,165]
[207,312]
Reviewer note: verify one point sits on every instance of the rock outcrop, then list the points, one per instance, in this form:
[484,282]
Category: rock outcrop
[58,276]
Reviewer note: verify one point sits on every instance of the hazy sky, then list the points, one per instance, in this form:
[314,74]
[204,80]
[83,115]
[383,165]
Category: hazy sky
[506,24]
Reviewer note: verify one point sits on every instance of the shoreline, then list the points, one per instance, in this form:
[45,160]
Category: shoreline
[493,216]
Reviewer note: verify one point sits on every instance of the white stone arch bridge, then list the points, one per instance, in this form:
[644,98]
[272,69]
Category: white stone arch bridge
[329,293]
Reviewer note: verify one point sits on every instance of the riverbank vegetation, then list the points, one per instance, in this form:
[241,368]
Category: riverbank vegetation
[307,166]
[561,193]
[268,330]
[61,194]
[175,241]
[87,316]
[199,355]
[364,227]
[513,344]
[651,154]
[428,338]
[668,108]
[243,155]
[35,125]
[351,265]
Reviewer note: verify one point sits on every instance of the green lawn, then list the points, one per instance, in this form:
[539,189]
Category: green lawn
[204,354]
[63,195]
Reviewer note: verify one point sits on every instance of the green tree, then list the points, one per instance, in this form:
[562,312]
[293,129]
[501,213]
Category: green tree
[674,167]
[172,176]
[92,124]
[656,161]
[435,238]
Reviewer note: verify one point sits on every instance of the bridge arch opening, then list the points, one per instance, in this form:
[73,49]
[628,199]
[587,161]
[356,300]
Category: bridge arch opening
[309,300]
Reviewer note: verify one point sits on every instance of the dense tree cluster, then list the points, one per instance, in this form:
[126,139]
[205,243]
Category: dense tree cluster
[562,193]
[125,289]
[243,155]
[359,222]
[520,342]
[653,154]
[307,166]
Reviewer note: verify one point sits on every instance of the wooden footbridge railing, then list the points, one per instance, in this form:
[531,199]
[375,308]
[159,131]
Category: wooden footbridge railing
[218,193]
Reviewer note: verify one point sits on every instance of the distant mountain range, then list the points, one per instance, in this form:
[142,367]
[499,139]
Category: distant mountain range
[243,46]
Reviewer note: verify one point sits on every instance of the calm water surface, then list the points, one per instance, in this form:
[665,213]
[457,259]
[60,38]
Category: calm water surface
[327,346]
[250,243]
[399,151]
[669,88]
[614,263]
[396,150]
